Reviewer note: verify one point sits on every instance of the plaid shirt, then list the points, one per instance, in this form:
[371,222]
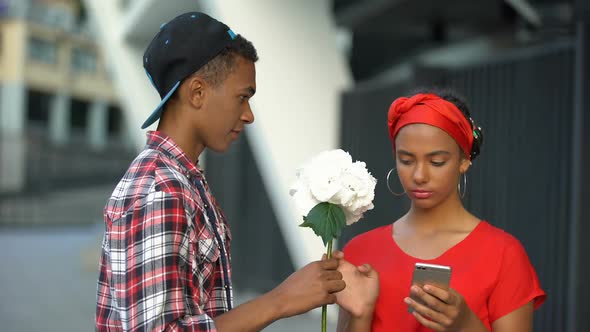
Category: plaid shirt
[165,262]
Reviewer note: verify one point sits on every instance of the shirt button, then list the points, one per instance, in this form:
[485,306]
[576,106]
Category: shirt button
[226,286]
[206,206]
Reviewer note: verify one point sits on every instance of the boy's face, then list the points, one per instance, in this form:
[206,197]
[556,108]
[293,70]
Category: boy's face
[226,108]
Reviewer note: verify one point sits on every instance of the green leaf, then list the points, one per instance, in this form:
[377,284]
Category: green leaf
[326,220]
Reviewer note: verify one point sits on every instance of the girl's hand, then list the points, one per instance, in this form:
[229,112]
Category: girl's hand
[443,310]
[362,289]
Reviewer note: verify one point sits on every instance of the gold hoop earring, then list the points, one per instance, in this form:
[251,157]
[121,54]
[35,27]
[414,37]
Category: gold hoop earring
[388,187]
[462,195]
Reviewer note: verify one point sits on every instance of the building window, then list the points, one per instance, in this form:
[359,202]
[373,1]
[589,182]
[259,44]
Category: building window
[115,121]
[79,116]
[4,8]
[84,60]
[124,4]
[52,15]
[39,104]
[42,50]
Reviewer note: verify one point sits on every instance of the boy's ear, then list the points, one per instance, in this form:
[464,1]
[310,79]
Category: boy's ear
[195,90]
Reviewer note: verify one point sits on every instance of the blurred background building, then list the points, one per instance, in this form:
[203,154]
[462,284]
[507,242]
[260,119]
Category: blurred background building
[73,94]
[59,115]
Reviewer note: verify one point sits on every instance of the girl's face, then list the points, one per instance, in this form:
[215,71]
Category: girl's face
[429,163]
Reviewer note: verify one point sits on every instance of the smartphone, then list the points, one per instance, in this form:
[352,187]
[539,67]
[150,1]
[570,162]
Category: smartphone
[431,274]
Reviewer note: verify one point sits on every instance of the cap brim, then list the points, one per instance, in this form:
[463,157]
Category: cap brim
[158,111]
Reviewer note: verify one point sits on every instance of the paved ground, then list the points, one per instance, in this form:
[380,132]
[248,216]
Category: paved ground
[48,277]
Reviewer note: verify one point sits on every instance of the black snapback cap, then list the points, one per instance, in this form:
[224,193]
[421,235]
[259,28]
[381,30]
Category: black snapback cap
[180,48]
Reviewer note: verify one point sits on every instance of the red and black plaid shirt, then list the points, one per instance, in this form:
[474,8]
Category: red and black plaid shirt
[165,262]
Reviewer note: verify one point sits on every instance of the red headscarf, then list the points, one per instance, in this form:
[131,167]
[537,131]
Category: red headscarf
[432,110]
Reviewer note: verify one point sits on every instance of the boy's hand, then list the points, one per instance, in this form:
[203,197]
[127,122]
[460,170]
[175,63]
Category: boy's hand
[310,287]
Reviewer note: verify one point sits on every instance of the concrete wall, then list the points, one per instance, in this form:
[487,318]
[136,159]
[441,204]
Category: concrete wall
[300,76]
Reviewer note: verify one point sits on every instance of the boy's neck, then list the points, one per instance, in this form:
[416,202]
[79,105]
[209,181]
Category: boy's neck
[183,136]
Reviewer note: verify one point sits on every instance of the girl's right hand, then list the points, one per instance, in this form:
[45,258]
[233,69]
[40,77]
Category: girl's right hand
[362,289]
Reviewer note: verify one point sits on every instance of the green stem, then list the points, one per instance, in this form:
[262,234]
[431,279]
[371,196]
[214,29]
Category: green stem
[325,307]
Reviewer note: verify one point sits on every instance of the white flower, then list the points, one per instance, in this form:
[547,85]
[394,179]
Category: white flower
[333,177]
[304,200]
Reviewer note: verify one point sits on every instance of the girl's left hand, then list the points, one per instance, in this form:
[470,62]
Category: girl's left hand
[443,310]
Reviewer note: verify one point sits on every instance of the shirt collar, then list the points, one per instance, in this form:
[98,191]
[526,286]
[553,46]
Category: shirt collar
[159,141]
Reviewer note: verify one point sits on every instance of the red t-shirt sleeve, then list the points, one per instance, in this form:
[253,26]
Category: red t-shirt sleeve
[517,282]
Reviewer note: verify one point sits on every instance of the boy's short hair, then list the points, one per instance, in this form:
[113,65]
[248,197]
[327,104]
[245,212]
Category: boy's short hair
[217,70]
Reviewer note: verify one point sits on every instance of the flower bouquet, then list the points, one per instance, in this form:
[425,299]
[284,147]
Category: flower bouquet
[331,192]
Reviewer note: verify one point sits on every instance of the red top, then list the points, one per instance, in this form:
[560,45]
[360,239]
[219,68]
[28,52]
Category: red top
[490,269]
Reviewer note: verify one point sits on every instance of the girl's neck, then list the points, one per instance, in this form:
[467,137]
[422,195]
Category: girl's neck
[449,215]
